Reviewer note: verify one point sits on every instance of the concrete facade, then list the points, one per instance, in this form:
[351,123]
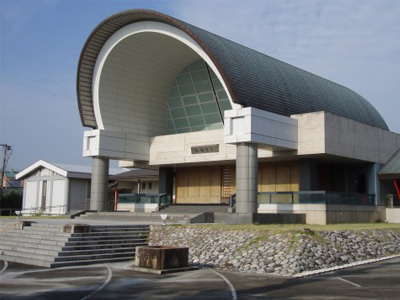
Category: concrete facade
[149,78]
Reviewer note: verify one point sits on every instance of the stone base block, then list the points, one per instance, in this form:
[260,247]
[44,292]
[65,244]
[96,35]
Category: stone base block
[161,257]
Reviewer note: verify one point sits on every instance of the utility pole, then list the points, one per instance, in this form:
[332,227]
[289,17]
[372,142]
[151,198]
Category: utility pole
[6,148]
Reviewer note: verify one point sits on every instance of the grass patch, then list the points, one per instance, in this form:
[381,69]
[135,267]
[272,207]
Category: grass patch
[300,227]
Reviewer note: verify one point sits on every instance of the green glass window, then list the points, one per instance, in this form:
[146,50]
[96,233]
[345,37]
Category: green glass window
[193,110]
[192,103]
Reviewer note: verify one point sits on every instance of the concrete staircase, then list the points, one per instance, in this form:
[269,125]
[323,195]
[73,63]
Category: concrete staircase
[46,245]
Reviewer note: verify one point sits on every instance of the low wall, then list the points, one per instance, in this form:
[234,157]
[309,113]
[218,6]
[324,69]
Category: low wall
[276,252]
[143,207]
[393,215]
[322,214]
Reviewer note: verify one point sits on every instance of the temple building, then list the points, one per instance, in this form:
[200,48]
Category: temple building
[226,124]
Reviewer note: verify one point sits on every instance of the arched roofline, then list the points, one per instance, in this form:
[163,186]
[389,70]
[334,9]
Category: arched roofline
[98,38]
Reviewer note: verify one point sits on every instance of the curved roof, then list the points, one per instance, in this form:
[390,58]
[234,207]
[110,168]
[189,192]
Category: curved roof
[252,78]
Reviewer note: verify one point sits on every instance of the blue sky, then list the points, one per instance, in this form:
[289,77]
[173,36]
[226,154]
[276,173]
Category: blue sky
[354,43]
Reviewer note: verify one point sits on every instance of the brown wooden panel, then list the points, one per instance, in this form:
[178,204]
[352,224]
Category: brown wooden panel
[193,183]
[205,182]
[198,185]
[215,183]
[294,177]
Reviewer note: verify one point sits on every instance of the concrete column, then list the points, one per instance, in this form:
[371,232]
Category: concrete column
[246,178]
[166,180]
[99,190]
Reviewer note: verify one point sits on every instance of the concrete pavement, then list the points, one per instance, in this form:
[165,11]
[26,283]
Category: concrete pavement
[111,281]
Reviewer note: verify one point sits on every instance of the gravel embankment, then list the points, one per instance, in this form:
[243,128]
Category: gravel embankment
[285,253]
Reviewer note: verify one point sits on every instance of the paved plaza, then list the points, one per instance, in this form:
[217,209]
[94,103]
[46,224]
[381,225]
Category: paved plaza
[112,281]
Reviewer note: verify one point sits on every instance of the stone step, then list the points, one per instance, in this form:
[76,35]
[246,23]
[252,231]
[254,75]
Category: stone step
[102,246]
[44,240]
[33,234]
[107,251]
[32,245]
[103,242]
[27,255]
[26,261]
[25,249]
[110,233]
[107,238]
[90,262]
[94,256]
[117,228]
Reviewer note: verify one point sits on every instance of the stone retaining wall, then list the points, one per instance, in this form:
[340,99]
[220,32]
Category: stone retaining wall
[285,253]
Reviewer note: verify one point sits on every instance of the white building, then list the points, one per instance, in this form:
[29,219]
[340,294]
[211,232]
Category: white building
[56,188]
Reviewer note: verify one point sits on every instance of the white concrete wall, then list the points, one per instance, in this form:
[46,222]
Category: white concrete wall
[137,207]
[321,214]
[315,213]
[393,215]
[30,194]
[251,125]
[176,149]
[325,133]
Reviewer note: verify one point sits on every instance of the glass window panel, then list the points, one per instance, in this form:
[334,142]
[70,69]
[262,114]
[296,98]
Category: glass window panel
[170,125]
[187,89]
[217,84]
[225,104]
[193,110]
[202,87]
[222,95]
[199,128]
[168,115]
[174,92]
[178,113]
[209,108]
[183,130]
[181,123]
[208,97]
[184,79]
[197,66]
[171,131]
[175,102]
[196,121]
[213,74]
[214,126]
[212,119]
[200,76]
[189,100]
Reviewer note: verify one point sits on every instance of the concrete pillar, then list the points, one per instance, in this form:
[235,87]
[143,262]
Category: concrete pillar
[166,181]
[246,178]
[99,186]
